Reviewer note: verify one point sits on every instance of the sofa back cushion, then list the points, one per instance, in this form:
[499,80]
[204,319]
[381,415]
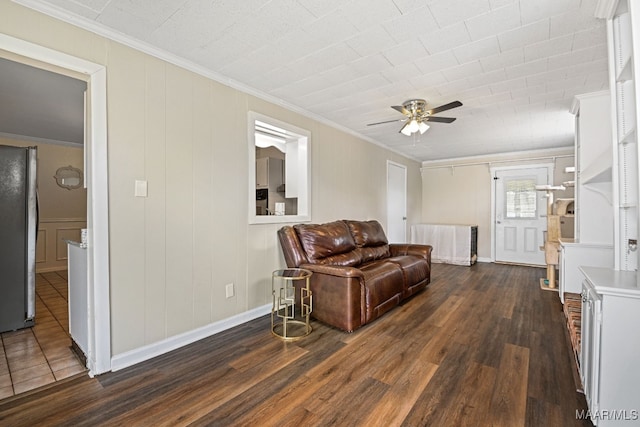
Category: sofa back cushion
[292,249]
[370,239]
[330,243]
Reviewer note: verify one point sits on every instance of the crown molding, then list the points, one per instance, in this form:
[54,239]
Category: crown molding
[111,34]
[490,159]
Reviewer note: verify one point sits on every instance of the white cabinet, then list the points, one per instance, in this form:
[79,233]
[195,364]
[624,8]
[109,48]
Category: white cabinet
[610,346]
[78,295]
[262,173]
[590,345]
[269,173]
[572,256]
[270,178]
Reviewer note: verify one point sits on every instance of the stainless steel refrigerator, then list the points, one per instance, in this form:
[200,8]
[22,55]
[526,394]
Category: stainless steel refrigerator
[18,224]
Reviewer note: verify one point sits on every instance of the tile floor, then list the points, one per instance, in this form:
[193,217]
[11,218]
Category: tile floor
[37,356]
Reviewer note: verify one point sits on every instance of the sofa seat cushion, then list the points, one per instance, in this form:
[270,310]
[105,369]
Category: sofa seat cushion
[383,283]
[329,244]
[415,271]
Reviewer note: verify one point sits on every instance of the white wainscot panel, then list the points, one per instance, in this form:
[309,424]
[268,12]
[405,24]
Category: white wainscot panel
[51,249]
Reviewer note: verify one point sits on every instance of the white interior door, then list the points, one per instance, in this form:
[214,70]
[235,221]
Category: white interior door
[396,203]
[520,215]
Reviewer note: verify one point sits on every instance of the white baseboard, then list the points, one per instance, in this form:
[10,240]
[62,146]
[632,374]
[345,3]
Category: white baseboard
[129,358]
[483,259]
[50,269]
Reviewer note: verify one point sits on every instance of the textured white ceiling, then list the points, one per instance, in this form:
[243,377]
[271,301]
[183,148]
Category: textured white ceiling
[514,64]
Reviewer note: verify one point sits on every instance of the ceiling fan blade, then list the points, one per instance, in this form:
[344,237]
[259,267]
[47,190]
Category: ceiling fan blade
[439,119]
[387,121]
[401,109]
[444,107]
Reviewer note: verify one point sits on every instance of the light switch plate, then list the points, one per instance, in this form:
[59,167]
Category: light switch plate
[229,290]
[141,188]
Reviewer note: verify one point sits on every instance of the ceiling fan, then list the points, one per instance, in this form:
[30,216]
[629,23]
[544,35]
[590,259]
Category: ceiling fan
[418,115]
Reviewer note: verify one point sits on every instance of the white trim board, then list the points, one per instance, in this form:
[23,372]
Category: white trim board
[129,358]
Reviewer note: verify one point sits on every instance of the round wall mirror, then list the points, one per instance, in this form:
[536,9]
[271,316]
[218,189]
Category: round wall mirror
[69,177]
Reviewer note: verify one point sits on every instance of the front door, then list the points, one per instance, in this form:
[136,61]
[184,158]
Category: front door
[520,215]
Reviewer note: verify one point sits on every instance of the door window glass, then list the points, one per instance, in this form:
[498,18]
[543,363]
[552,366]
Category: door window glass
[520,198]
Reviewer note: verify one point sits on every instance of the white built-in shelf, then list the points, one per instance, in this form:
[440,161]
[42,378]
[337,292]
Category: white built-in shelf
[626,72]
[629,137]
[596,175]
[626,109]
[600,170]
[622,37]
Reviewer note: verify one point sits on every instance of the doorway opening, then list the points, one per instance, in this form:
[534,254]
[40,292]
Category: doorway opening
[519,213]
[96,177]
[47,113]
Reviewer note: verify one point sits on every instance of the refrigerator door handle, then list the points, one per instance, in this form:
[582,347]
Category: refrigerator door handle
[32,219]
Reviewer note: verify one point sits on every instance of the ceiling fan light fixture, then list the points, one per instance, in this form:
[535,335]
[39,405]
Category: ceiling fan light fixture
[414,126]
[423,127]
[416,115]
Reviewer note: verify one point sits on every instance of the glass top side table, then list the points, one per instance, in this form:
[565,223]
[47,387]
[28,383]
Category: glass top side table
[292,303]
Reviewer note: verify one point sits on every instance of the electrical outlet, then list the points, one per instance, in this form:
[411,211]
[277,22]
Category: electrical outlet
[229,290]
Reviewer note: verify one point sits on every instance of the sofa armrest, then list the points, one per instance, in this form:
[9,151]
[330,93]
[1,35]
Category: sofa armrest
[423,251]
[338,295]
[333,270]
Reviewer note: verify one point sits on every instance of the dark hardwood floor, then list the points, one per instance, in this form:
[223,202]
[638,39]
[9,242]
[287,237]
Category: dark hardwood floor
[482,346]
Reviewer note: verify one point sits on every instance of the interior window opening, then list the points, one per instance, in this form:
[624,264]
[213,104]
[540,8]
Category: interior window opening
[280,189]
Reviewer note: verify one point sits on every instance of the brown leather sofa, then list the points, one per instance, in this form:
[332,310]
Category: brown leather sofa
[357,274]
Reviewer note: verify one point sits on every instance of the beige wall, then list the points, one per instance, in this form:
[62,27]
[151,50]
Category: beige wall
[62,212]
[173,252]
[455,193]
